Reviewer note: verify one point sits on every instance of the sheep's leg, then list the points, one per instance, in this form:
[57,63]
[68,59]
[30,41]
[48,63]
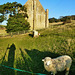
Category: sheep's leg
[53,73]
[67,71]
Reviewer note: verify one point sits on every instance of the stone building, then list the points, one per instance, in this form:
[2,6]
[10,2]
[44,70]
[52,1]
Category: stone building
[38,17]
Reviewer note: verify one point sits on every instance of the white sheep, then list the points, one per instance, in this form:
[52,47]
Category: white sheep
[58,64]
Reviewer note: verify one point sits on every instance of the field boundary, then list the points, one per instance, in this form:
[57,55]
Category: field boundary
[15,33]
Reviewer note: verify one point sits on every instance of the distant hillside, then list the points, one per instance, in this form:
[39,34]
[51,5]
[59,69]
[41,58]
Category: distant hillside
[65,19]
[26,52]
[60,25]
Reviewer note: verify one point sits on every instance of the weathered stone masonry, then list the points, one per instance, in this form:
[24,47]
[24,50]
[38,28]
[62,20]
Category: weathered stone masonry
[38,17]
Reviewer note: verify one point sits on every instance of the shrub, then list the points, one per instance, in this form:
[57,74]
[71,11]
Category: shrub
[67,21]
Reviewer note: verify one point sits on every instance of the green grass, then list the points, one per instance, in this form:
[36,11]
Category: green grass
[3,32]
[26,53]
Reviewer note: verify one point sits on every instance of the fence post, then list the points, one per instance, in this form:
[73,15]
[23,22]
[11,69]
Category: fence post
[18,32]
[24,31]
[11,34]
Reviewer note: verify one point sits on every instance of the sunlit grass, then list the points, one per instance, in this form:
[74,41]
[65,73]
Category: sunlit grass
[26,52]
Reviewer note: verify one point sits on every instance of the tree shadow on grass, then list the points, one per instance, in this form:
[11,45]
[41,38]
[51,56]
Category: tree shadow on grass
[33,61]
[37,57]
[10,62]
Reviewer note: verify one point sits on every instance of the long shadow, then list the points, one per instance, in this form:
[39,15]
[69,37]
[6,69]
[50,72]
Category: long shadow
[33,62]
[10,62]
[37,57]
[31,35]
[25,57]
[24,65]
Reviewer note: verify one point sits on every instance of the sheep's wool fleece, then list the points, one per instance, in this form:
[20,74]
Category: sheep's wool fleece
[59,63]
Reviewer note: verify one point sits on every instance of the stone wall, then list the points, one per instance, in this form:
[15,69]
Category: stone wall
[38,18]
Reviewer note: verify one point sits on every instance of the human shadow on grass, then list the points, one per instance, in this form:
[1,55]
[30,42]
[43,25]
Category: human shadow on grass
[33,61]
[10,62]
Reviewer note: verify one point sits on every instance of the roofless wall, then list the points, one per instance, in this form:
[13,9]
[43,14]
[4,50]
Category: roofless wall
[38,17]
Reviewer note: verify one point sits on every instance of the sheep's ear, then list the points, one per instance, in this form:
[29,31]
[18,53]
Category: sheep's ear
[42,59]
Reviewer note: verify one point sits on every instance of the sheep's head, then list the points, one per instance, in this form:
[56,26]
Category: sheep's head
[47,61]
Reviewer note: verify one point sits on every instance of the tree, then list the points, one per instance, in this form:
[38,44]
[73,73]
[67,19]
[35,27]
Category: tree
[2,18]
[8,8]
[17,23]
[51,20]
[66,21]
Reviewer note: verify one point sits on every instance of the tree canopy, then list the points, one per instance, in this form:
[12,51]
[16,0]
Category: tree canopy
[8,8]
[16,21]
[2,18]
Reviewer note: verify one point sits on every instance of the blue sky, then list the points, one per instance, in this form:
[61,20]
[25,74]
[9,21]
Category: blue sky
[56,8]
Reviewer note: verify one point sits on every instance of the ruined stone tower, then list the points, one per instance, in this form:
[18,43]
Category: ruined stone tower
[38,17]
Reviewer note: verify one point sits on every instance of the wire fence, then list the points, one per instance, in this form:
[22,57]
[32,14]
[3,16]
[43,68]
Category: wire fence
[18,32]
[15,33]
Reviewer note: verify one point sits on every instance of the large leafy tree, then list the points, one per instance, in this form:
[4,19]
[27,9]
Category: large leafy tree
[17,23]
[2,18]
[8,8]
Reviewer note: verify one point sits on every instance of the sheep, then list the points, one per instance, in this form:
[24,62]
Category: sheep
[58,64]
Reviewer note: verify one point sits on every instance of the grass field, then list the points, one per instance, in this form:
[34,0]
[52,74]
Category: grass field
[3,32]
[26,53]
